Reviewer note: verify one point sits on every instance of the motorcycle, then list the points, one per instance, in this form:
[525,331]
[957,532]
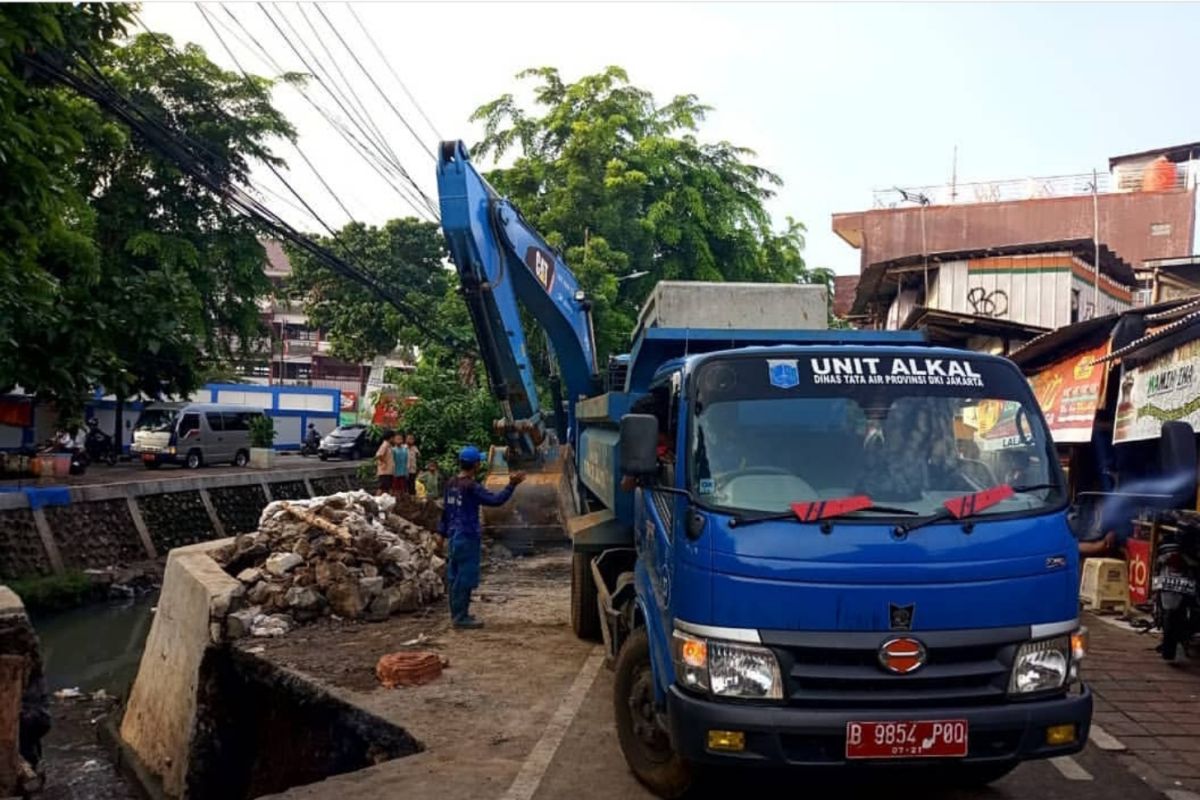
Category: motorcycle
[312,444]
[1175,585]
[99,446]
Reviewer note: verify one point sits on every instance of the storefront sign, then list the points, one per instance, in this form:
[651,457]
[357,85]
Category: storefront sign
[1163,390]
[1138,553]
[1069,393]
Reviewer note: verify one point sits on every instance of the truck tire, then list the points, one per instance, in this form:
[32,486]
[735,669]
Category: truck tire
[645,745]
[585,613]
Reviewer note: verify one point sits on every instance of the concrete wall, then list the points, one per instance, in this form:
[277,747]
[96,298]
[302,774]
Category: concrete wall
[159,721]
[1136,225]
[113,524]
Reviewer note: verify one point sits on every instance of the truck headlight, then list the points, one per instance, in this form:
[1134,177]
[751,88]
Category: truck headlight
[726,669]
[1041,665]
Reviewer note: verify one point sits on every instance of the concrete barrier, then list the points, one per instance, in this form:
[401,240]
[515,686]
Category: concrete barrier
[160,719]
[20,670]
[99,526]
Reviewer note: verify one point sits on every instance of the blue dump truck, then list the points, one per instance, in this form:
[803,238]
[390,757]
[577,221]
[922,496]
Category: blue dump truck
[800,547]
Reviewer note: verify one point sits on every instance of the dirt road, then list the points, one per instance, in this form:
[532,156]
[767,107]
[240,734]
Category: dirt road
[524,711]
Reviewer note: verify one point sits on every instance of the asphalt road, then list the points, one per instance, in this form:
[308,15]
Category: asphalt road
[587,765]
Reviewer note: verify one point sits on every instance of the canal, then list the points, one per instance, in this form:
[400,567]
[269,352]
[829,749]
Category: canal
[93,648]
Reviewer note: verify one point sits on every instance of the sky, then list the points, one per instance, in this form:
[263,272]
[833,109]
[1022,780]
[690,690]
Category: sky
[837,99]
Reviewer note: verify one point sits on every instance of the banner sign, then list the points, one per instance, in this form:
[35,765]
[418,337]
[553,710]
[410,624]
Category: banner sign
[1162,390]
[1070,392]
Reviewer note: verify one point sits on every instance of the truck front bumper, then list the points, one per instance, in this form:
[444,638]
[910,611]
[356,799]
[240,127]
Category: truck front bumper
[787,735]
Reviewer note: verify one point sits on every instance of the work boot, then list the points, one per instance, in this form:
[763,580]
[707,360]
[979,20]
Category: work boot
[470,623]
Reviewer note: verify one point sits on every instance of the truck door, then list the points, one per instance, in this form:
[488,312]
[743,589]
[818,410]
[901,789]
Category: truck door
[658,515]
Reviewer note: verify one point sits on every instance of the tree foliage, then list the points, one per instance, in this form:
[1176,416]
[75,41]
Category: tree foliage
[133,276]
[406,255]
[45,222]
[621,184]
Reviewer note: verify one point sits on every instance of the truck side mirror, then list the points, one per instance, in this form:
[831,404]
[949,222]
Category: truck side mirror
[639,445]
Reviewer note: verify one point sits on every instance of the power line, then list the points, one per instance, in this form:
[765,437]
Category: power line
[338,100]
[299,149]
[371,78]
[181,149]
[388,64]
[364,152]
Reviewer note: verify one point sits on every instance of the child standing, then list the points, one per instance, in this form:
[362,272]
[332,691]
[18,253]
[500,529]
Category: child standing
[460,524]
[400,459]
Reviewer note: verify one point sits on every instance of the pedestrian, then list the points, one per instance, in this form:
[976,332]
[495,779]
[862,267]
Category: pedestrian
[460,524]
[431,480]
[400,459]
[385,463]
[414,463]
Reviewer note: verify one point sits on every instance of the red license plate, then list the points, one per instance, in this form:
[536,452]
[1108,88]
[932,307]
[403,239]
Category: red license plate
[943,738]
[147,456]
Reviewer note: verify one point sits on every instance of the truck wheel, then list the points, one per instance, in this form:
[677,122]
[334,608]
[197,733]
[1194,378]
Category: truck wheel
[585,614]
[644,743]
[194,460]
[241,459]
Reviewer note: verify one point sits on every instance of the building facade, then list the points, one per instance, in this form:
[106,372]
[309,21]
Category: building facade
[1143,208]
[298,353]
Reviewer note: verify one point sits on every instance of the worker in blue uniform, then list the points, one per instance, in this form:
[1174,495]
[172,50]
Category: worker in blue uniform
[460,524]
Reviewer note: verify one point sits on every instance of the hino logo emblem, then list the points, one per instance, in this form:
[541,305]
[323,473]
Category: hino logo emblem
[900,618]
[902,656]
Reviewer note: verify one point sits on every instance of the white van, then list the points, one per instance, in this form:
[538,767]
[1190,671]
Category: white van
[193,434]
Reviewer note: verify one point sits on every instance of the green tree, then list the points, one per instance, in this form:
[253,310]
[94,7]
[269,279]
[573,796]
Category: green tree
[406,255]
[621,184]
[170,282]
[45,223]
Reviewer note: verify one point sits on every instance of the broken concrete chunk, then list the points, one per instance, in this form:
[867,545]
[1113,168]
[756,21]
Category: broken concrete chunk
[283,563]
[239,623]
[305,602]
[272,625]
[346,599]
[250,575]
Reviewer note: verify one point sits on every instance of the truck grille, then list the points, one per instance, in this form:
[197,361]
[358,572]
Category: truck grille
[834,669]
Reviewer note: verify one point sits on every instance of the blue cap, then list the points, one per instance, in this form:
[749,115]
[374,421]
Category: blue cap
[470,455]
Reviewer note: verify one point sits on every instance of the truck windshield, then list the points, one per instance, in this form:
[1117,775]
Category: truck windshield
[911,432]
[156,419]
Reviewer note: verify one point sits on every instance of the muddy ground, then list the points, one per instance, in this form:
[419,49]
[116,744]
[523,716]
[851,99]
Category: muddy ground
[77,766]
[481,718]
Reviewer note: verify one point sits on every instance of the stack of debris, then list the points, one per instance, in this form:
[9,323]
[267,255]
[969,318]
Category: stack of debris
[347,554]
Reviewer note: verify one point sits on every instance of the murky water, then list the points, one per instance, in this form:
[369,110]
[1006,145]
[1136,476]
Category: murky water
[97,646]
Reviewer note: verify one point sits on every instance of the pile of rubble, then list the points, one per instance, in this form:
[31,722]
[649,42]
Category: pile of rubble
[348,555]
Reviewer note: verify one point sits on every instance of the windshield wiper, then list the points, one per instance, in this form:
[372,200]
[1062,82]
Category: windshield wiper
[965,506]
[823,511]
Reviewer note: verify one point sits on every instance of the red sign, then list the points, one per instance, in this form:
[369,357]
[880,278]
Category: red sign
[1069,393]
[902,656]
[945,738]
[1138,553]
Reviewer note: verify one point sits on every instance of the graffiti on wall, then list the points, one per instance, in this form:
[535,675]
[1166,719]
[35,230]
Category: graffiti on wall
[986,303]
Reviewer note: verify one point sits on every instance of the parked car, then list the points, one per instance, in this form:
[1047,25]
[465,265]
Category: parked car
[193,434]
[348,441]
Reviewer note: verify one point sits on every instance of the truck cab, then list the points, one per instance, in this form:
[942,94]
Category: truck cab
[850,554]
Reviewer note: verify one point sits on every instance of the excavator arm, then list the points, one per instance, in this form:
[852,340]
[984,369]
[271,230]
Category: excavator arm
[501,261]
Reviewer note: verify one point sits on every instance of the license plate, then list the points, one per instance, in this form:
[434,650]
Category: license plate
[1174,583]
[147,456]
[944,738]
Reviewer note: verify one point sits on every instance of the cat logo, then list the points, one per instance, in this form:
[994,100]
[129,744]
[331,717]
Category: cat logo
[541,264]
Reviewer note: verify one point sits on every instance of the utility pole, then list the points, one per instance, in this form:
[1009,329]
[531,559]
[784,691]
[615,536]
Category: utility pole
[954,177]
[1096,241]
